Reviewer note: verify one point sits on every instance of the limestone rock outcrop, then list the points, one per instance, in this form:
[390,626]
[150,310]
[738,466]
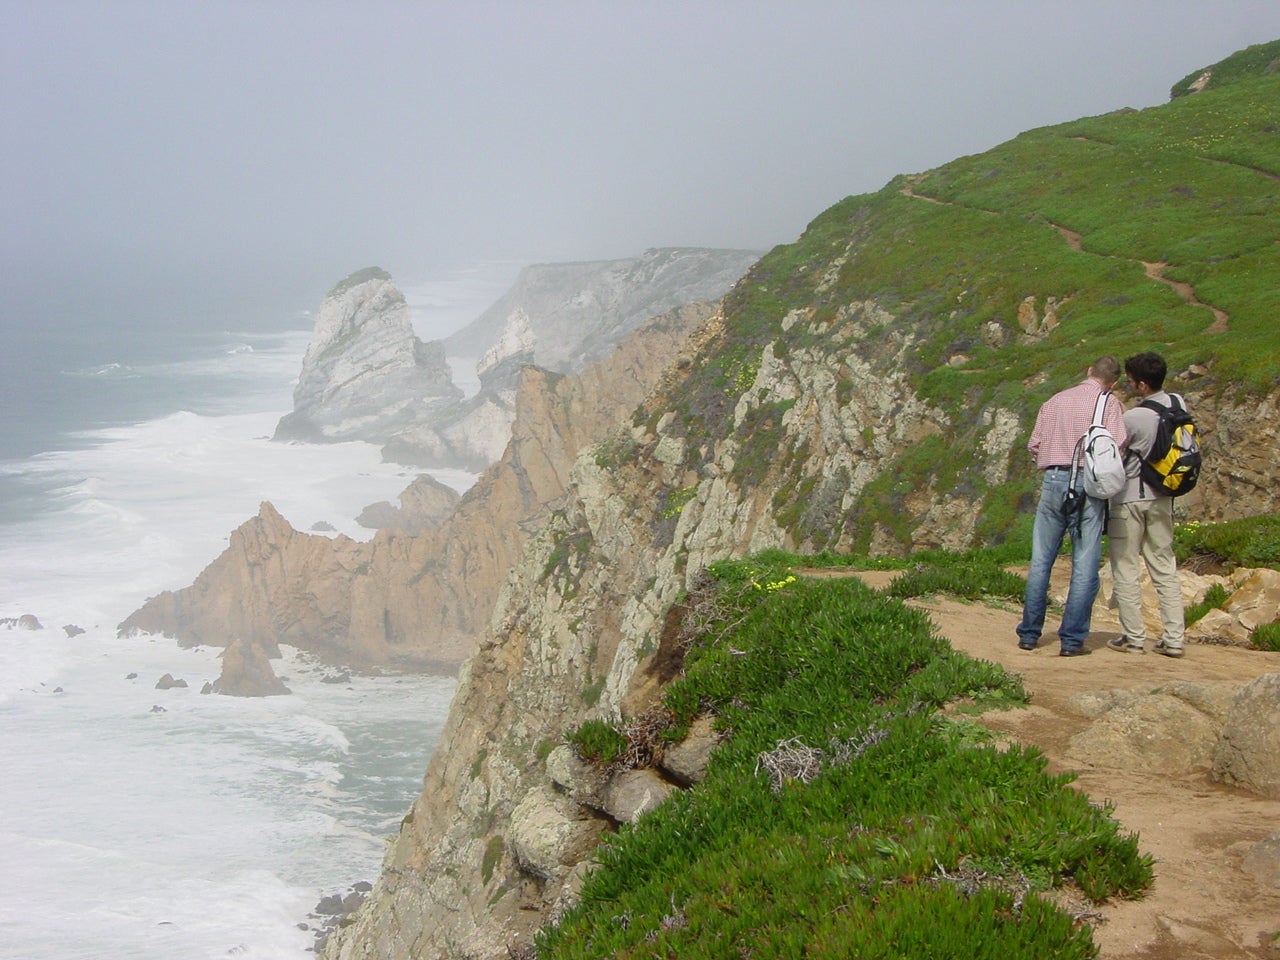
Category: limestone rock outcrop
[246,672]
[365,375]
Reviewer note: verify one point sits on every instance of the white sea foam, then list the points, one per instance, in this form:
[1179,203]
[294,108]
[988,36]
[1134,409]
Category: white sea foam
[160,824]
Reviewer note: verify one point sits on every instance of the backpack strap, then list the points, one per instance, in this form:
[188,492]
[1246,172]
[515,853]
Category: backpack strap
[1100,407]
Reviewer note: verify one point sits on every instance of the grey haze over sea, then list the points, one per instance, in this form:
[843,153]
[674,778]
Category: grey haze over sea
[165,824]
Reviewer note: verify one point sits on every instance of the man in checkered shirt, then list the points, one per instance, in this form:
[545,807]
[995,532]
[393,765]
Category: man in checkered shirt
[1063,420]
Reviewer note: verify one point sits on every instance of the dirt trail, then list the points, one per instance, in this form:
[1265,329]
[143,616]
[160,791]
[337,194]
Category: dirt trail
[1154,271]
[1203,905]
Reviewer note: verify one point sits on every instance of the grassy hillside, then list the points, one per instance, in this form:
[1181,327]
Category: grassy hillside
[1152,229]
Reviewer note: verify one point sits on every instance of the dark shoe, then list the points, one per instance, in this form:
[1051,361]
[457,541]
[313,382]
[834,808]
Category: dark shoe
[1076,652]
[1175,652]
[1026,645]
[1125,645]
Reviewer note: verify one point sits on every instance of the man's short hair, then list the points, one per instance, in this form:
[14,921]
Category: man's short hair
[1106,369]
[1148,367]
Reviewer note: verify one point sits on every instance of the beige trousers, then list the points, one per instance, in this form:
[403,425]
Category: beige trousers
[1143,530]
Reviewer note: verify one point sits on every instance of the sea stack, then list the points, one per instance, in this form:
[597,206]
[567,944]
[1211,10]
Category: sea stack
[366,376]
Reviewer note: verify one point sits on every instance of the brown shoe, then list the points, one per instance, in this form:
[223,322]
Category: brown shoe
[1124,645]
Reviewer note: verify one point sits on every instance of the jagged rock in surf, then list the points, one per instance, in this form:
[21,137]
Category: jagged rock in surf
[365,375]
[246,672]
[424,505]
[421,600]
[27,621]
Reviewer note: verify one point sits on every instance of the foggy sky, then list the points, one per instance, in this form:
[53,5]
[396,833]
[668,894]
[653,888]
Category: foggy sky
[234,153]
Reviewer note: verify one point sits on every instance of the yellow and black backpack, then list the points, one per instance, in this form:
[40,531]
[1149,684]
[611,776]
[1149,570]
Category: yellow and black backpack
[1172,465]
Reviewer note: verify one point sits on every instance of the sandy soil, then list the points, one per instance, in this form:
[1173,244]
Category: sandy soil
[1202,904]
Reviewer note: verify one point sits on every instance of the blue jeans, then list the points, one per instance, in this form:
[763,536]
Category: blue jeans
[1052,523]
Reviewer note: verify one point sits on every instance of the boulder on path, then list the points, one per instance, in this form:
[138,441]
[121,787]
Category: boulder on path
[1171,731]
[1248,753]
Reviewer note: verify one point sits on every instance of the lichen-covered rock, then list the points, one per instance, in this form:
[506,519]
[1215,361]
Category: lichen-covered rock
[550,834]
[580,780]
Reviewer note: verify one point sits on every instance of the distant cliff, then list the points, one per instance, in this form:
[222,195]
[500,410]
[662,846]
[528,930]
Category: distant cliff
[417,600]
[366,376]
[560,317]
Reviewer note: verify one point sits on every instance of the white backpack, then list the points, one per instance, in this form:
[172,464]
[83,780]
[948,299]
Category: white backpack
[1103,463]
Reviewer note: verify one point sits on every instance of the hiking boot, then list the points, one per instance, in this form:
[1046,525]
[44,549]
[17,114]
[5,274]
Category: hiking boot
[1125,645]
[1026,644]
[1074,652]
[1168,651]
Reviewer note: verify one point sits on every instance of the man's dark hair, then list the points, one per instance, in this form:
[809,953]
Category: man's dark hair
[1148,368]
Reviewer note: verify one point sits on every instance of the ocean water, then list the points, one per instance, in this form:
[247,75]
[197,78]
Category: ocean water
[158,824]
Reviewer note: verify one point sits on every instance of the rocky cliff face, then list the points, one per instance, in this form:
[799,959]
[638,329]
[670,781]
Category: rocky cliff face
[491,848]
[564,316]
[416,599]
[561,317]
[366,376]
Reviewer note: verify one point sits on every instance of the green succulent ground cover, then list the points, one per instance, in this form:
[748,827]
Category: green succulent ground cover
[1247,542]
[844,816]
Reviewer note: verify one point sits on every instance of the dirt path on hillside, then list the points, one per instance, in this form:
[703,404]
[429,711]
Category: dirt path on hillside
[1154,270]
[1203,905]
